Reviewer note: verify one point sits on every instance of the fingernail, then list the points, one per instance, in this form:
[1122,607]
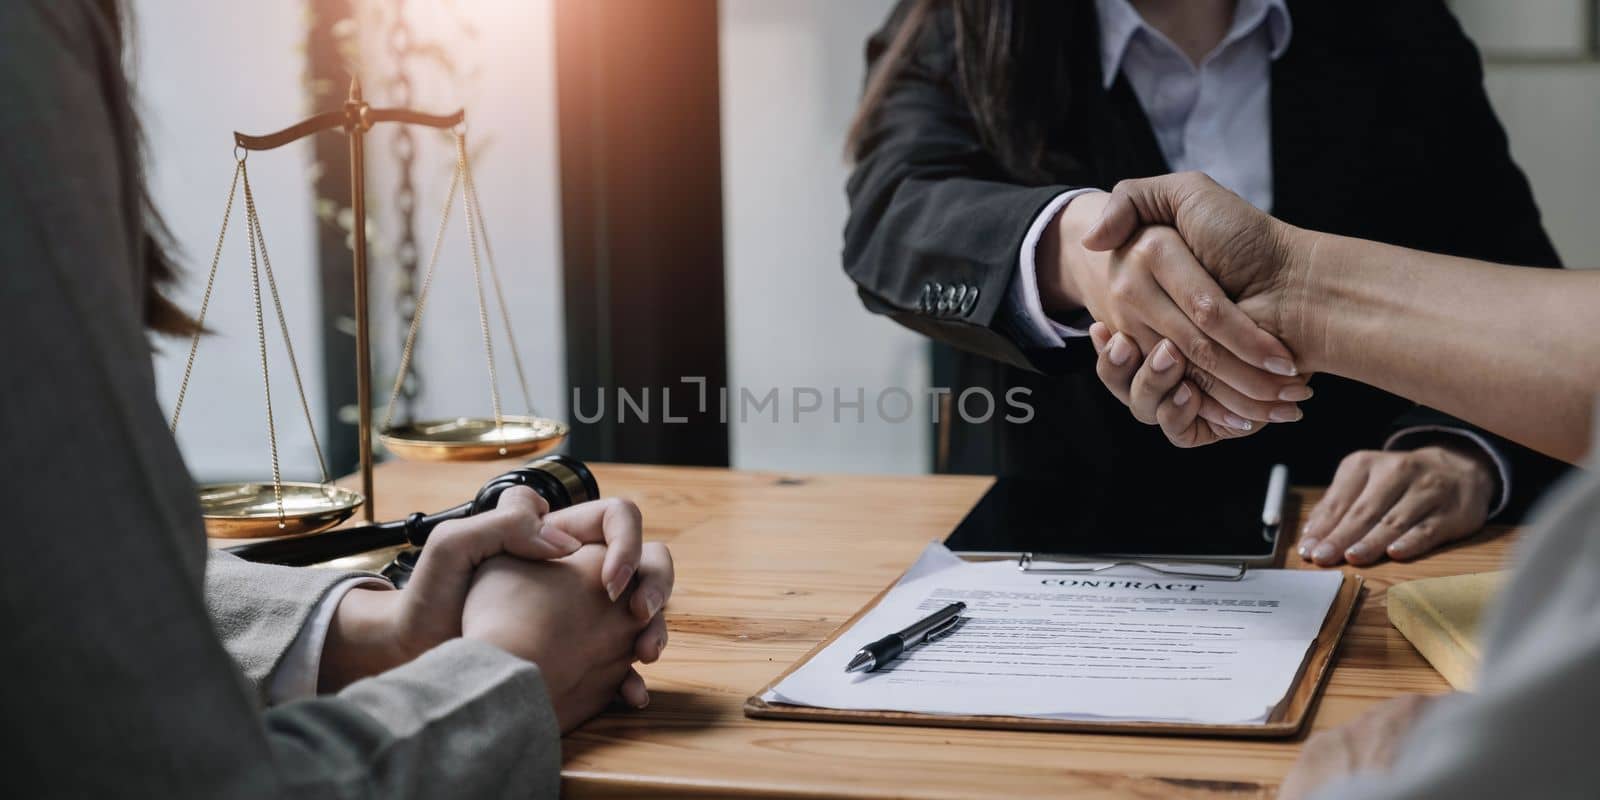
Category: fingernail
[652,604]
[1285,414]
[617,584]
[662,644]
[1280,366]
[1162,360]
[1297,393]
[1096,332]
[1356,551]
[1237,422]
[1181,397]
[1121,350]
[1323,552]
[1305,548]
[561,540]
[1398,550]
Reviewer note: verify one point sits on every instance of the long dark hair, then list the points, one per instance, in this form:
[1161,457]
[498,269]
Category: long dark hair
[1010,68]
[153,240]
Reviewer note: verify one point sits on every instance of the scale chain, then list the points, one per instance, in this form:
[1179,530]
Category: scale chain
[205,302]
[259,260]
[261,342]
[472,209]
[494,275]
[254,218]
[477,279]
[422,299]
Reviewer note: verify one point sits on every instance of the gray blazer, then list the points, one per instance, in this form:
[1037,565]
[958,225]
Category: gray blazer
[131,666]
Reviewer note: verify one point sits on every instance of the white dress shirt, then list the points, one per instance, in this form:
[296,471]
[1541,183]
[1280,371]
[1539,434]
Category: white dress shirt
[296,675]
[1214,117]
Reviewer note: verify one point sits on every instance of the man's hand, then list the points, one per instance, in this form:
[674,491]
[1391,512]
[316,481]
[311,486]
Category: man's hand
[559,615]
[1149,287]
[1365,744]
[376,630]
[1401,503]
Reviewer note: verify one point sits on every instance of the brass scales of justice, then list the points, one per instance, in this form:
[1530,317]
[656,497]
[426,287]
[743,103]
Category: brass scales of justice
[252,509]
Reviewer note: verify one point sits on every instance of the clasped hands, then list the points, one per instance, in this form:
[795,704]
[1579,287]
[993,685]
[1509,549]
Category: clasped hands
[576,591]
[1207,326]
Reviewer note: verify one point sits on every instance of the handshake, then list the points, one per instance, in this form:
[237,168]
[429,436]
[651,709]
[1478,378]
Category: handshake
[1212,316]
[1202,317]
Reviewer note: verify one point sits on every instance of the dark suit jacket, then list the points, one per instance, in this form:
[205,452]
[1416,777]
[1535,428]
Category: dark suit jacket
[1380,129]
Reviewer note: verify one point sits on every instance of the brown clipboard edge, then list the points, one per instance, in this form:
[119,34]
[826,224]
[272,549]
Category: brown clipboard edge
[1286,721]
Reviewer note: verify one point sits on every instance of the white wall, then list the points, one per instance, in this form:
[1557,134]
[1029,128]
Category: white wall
[505,79]
[1552,113]
[206,69]
[1549,106]
[791,71]
[203,70]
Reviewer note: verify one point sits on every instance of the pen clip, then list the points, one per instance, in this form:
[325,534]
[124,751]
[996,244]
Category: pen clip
[945,629]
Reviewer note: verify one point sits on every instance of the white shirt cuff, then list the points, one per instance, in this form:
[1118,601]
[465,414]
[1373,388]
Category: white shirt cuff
[296,675]
[1023,300]
[1499,460]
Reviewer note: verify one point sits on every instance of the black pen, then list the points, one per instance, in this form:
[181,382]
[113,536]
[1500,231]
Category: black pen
[890,647]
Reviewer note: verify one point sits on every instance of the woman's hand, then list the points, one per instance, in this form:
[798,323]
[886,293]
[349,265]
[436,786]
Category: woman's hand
[559,615]
[1403,503]
[1366,744]
[373,631]
[376,630]
[1149,287]
[1162,390]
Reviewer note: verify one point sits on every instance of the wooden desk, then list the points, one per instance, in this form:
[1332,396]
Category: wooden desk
[768,564]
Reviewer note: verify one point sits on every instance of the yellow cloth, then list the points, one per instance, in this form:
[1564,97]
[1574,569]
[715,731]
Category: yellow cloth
[1441,616]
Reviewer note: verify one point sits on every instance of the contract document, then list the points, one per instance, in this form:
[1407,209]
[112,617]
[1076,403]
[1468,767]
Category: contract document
[1125,644]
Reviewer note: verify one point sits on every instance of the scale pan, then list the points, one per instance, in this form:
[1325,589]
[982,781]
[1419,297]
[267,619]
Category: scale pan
[474,439]
[250,510]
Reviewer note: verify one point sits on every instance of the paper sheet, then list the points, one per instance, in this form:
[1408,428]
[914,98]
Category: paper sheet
[1125,644]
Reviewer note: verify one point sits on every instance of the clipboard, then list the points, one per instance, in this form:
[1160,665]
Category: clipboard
[1287,720]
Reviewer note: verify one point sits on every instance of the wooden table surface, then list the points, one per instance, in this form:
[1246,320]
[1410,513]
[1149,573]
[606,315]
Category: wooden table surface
[769,563]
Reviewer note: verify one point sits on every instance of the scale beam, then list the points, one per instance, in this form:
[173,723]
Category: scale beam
[362,116]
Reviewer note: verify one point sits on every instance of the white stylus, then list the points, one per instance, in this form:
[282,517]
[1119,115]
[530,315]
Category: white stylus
[1272,512]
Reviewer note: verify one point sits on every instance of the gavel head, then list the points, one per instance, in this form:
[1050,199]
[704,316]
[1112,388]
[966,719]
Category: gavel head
[560,480]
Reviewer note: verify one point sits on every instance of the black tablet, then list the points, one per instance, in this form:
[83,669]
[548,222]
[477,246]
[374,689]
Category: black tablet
[1205,518]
